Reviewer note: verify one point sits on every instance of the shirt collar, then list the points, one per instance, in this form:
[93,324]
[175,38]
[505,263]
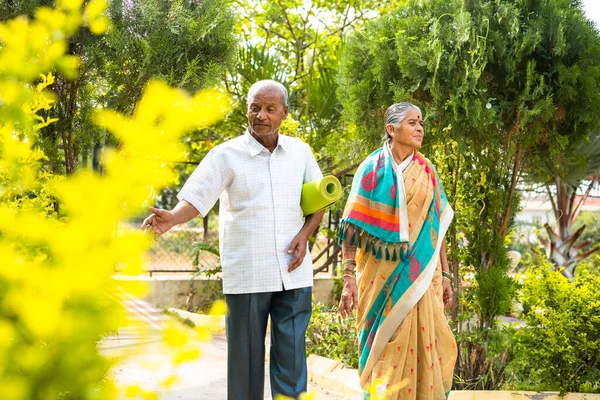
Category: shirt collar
[283,142]
[254,146]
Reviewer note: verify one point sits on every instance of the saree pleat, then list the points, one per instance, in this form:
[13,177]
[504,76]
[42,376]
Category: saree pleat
[418,361]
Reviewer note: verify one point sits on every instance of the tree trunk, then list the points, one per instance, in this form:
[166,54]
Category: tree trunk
[516,171]
[454,262]
[205,226]
[96,158]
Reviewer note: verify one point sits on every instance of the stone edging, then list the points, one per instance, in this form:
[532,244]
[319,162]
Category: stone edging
[333,376]
[508,395]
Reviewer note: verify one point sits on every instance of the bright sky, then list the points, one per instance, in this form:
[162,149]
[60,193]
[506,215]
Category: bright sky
[592,10]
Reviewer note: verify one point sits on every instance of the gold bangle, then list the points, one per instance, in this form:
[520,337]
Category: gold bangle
[348,262]
[349,272]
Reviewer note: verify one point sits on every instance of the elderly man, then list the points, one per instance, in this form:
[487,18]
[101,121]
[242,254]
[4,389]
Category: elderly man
[267,270]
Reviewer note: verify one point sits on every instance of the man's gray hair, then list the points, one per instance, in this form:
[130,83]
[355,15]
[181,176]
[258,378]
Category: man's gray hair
[395,114]
[268,83]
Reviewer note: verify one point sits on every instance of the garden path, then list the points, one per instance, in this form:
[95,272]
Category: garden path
[202,379]
[147,362]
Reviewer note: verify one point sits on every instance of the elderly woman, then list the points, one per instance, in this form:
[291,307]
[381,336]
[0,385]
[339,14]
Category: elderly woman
[395,266]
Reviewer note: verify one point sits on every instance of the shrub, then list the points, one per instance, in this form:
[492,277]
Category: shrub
[57,295]
[483,356]
[560,347]
[483,351]
[328,335]
[589,266]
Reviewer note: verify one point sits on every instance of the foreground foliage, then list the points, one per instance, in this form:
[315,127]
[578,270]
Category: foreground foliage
[57,296]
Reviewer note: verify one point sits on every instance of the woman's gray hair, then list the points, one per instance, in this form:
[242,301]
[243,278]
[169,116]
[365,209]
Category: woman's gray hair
[395,114]
[268,83]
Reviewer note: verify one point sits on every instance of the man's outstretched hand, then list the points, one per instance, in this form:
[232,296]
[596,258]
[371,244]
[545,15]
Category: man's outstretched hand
[160,221]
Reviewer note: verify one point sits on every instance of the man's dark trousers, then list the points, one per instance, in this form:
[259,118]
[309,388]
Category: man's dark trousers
[247,317]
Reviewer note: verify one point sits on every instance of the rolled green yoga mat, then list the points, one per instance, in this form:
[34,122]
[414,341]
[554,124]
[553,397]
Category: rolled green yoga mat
[320,194]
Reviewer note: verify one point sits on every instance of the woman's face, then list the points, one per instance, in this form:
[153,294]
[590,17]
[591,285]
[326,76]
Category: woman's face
[410,132]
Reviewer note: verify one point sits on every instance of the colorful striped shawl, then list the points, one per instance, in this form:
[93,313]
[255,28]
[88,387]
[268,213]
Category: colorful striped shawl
[373,204]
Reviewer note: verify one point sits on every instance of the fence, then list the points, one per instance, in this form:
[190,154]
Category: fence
[173,252]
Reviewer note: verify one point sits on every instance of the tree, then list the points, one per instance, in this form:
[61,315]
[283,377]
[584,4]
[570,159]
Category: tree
[300,44]
[503,86]
[297,43]
[188,44]
[568,181]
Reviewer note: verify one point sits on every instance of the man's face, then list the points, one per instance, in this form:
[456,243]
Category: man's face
[266,111]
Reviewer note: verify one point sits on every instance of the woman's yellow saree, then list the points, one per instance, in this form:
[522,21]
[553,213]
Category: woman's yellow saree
[406,346]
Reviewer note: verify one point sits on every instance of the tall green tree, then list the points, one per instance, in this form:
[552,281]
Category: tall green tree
[503,86]
[186,43]
[299,43]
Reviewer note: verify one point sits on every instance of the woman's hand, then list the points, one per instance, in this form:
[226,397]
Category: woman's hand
[349,298]
[447,292]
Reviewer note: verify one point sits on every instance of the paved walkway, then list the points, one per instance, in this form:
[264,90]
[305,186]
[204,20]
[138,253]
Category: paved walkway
[146,362]
[203,379]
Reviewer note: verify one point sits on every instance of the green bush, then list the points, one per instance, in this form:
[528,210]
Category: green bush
[560,347]
[483,355]
[483,351]
[328,335]
[589,266]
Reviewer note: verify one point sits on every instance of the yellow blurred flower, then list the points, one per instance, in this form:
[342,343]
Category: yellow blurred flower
[56,272]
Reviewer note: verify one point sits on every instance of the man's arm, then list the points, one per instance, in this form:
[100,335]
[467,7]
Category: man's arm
[311,222]
[198,195]
[160,221]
